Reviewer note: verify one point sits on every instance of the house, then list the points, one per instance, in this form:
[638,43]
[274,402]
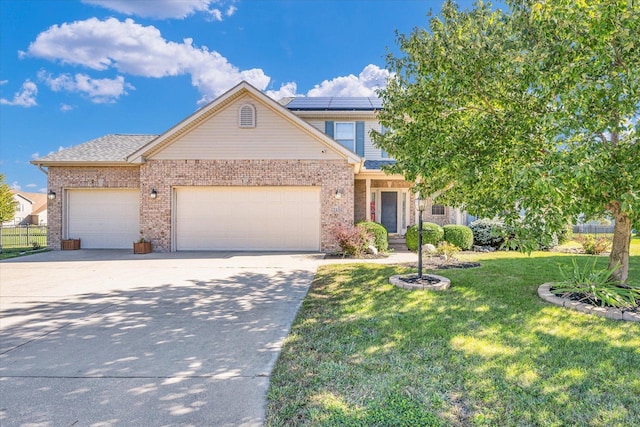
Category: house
[31,208]
[242,173]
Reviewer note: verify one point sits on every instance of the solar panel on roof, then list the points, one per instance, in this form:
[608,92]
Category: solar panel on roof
[334,103]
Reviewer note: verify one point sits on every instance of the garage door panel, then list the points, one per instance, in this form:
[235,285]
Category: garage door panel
[248,218]
[104,219]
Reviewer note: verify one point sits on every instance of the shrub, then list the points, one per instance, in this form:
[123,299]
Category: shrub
[597,286]
[352,240]
[458,235]
[448,249]
[488,232]
[378,232]
[594,246]
[431,233]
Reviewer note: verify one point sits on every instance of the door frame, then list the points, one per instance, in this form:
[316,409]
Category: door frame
[402,213]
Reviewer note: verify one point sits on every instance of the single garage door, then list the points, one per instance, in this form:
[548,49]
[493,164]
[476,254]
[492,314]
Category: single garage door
[248,218]
[104,219]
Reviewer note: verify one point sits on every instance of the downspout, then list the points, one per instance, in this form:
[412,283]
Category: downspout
[44,171]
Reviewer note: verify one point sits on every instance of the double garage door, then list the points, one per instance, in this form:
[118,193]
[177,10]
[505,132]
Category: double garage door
[205,218]
[247,218]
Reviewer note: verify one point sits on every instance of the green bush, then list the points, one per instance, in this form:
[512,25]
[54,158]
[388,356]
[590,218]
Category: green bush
[431,233]
[448,249]
[378,232]
[458,235]
[488,232]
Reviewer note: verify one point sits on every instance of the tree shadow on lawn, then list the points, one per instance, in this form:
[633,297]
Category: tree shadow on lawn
[185,353]
[488,350]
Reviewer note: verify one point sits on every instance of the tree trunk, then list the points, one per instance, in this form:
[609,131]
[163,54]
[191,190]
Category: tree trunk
[620,246]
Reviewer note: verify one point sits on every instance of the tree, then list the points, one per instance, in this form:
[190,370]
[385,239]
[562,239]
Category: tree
[528,114]
[7,202]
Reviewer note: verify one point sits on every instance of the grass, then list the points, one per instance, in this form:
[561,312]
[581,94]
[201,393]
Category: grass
[487,351]
[16,252]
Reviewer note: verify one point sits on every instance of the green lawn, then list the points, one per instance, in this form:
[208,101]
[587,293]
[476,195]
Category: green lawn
[487,351]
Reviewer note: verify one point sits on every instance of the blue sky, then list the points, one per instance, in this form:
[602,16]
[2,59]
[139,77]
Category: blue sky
[75,70]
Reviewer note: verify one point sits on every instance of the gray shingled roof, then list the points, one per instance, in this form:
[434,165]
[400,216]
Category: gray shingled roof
[377,164]
[109,148]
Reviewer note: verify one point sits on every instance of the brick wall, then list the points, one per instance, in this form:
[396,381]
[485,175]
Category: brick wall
[163,175]
[61,179]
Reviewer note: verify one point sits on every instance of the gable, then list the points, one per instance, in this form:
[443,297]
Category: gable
[221,136]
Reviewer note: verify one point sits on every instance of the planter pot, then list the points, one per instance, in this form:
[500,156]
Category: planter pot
[142,248]
[70,244]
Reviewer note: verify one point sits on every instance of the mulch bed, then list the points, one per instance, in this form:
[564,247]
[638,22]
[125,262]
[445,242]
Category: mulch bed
[425,281]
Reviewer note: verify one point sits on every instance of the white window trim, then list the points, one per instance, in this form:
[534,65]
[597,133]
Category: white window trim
[335,134]
[444,210]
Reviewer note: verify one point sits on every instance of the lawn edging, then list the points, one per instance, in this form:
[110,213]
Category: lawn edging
[544,292]
[443,284]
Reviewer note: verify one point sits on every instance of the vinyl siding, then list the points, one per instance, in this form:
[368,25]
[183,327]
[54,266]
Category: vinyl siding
[370,151]
[221,138]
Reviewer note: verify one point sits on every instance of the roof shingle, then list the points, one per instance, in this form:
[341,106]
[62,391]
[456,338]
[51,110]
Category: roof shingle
[108,148]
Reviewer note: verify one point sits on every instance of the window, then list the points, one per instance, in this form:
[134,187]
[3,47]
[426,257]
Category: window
[345,134]
[437,210]
[247,116]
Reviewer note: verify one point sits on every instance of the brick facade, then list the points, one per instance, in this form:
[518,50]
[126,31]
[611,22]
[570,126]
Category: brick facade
[164,175]
[61,179]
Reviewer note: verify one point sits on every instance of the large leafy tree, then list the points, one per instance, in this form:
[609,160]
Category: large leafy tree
[528,114]
[7,202]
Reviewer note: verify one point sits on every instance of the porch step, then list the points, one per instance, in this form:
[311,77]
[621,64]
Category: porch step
[397,243]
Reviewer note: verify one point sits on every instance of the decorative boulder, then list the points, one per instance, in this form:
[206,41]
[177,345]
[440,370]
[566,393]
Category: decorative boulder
[429,249]
[372,250]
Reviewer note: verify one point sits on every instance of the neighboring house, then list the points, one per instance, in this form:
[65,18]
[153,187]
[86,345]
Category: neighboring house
[243,173]
[31,208]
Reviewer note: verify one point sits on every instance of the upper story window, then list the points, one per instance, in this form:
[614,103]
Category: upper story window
[247,116]
[19,207]
[345,134]
[437,210]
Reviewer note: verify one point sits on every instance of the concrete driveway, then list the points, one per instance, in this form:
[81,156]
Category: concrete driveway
[105,338]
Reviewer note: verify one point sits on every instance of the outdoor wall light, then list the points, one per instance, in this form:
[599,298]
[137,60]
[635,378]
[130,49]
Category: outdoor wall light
[338,194]
[51,195]
[153,194]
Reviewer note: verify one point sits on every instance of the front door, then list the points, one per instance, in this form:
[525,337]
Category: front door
[389,210]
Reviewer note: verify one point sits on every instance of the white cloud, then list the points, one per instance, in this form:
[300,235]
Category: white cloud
[3,82]
[31,185]
[35,155]
[371,78]
[288,89]
[15,186]
[42,190]
[26,97]
[140,50]
[66,107]
[161,9]
[99,90]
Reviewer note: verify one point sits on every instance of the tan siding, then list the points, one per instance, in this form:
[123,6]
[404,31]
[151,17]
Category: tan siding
[220,138]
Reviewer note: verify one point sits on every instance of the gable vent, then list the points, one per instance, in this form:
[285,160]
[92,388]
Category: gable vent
[247,116]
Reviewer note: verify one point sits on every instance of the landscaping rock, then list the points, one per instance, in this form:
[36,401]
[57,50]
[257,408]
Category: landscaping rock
[372,250]
[428,249]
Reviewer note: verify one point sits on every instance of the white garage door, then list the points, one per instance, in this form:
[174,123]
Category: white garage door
[104,219]
[248,218]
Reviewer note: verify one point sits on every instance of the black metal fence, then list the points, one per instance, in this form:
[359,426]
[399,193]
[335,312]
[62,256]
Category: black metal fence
[23,236]
[593,229]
